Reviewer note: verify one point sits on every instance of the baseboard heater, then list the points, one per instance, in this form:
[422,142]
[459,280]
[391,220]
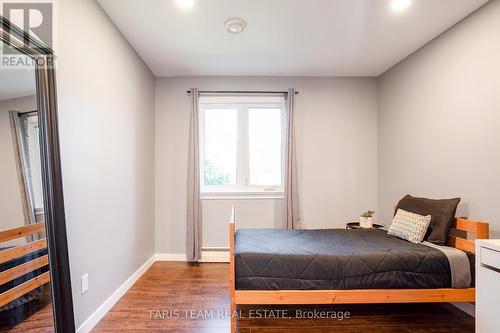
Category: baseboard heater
[214,254]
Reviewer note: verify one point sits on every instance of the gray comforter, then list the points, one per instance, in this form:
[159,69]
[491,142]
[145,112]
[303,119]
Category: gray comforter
[335,259]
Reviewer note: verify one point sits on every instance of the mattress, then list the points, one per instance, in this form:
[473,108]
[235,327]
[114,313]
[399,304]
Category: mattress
[271,259]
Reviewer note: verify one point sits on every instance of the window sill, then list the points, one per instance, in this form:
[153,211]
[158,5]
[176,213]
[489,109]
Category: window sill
[265,195]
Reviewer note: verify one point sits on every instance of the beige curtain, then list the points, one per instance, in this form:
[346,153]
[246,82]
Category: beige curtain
[291,195]
[193,226]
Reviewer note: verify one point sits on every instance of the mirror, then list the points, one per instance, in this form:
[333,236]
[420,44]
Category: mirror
[25,289]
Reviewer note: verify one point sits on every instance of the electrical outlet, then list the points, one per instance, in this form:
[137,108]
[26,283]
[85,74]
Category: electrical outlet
[85,283]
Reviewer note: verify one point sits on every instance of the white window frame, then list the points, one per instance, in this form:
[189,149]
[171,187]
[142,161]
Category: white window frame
[242,188]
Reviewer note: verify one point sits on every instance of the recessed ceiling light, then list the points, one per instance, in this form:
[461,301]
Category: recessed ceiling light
[235,25]
[185,4]
[400,5]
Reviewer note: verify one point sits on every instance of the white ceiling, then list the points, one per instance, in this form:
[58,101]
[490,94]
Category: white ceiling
[16,83]
[283,37]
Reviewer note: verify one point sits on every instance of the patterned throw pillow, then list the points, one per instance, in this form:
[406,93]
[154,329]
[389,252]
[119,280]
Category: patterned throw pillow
[409,226]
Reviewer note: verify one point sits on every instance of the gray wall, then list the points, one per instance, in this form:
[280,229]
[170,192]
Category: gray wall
[439,117]
[336,148]
[11,204]
[106,102]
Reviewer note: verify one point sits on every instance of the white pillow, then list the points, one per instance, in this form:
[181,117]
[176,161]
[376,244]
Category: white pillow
[409,226]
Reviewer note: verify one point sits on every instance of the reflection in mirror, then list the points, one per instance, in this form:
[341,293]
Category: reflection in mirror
[25,297]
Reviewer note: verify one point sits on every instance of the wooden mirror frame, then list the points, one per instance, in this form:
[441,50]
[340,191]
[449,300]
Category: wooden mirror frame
[55,222]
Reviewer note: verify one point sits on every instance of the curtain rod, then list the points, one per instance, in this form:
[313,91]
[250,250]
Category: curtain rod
[28,113]
[239,92]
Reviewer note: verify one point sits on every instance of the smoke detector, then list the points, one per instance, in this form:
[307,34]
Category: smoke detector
[235,25]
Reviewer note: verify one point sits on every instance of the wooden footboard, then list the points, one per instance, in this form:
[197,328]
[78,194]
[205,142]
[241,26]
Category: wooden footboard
[354,296]
[24,268]
[361,296]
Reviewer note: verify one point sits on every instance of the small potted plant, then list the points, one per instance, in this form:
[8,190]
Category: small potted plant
[366,219]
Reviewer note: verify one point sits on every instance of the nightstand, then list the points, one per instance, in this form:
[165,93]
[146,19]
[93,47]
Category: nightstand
[487,284]
[355,225]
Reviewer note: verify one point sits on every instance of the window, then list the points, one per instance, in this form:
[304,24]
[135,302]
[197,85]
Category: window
[32,137]
[241,143]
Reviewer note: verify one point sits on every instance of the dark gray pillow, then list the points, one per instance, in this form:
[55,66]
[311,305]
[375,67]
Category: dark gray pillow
[442,212]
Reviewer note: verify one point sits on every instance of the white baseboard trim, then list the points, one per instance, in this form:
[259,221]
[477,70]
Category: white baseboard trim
[215,256]
[170,257]
[95,317]
[469,308]
[207,256]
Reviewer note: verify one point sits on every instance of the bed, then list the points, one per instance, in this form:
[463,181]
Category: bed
[277,259]
[303,267]
[23,268]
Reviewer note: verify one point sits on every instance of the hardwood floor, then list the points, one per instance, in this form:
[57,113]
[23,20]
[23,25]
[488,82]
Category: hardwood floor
[33,317]
[179,297]
[39,322]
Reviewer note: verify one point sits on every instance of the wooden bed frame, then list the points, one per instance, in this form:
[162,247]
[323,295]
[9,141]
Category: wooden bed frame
[25,268]
[360,296]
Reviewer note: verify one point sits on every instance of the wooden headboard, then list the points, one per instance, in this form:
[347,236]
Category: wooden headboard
[481,230]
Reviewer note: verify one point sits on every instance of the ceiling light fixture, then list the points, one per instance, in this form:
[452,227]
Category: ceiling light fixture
[185,4]
[400,5]
[235,25]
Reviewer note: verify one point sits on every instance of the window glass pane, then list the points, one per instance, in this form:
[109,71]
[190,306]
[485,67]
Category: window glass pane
[265,146]
[33,139]
[220,146]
